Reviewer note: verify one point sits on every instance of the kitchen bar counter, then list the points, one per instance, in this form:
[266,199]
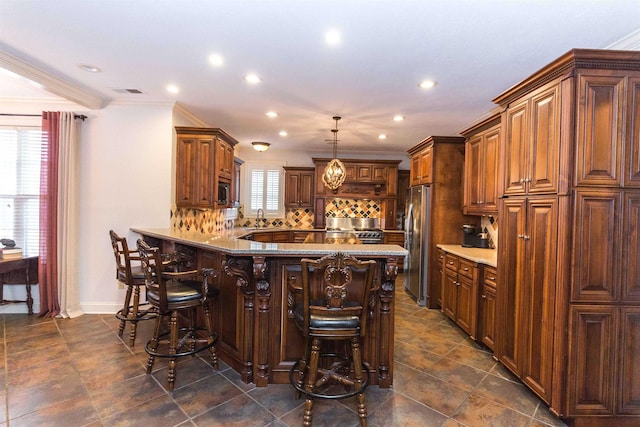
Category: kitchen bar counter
[479,255]
[253,313]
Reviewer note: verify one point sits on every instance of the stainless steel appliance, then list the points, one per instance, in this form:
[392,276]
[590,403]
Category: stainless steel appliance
[367,230]
[416,242]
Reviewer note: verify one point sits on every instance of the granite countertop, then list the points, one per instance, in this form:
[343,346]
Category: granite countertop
[229,241]
[479,255]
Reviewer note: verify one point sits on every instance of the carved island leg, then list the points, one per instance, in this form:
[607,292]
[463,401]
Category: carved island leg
[389,274]
[262,321]
[240,268]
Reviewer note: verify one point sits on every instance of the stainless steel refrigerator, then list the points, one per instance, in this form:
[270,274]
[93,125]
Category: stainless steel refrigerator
[416,240]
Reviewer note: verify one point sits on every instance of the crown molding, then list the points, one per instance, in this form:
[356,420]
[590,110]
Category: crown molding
[629,42]
[184,112]
[54,84]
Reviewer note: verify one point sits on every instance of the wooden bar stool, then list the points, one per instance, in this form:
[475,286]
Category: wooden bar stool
[173,293]
[337,293]
[129,272]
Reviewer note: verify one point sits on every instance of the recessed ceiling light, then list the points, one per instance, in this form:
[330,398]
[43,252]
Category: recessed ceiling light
[398,118]
[426,84]
[382,136]
[172,89]
[89,68]
[332,37]
[216,60]
[252,78]
[271,114]
[283,133]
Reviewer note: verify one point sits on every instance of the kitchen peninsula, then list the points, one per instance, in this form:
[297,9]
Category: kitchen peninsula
[257,281]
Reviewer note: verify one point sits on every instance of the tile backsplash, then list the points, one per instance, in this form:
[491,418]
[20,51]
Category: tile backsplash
[491,224]
[352,208]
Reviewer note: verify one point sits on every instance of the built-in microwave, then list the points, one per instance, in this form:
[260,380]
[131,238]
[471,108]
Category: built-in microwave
[224,193]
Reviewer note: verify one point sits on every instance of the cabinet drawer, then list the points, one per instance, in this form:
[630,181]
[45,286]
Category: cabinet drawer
[465,268]
[441,255]
[451,262]
[490,276]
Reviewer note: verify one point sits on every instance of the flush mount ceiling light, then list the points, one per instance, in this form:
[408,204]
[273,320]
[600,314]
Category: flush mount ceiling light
[271,114]
[252,78]
[426,84]
[260,146]
[335,172]
[398,118]
[89,68]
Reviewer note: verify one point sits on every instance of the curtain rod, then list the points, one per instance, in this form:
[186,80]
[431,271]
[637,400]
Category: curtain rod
[75,116]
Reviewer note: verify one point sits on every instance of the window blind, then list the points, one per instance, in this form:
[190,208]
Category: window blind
[265,190]
[20,186]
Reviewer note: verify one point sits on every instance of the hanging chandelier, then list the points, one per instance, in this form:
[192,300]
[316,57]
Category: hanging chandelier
[335,172]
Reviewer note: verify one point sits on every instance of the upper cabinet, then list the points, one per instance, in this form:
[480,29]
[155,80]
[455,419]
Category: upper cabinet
[204,159]
[531,151]
[422,166]
[298,187]
[481,167]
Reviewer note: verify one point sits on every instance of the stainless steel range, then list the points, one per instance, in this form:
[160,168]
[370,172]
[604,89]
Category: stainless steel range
[366,229]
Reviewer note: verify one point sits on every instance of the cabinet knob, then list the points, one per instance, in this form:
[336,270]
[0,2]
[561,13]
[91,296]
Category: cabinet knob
[491,278]
[520,236]
[525,237]
[450,263]
[522,180]
[466,269]
[457,283]
[483,296]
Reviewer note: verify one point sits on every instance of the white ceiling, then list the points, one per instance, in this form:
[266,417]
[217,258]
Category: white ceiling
[473,49]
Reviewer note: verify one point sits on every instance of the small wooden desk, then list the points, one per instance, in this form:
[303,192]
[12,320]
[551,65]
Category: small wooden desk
[18,271]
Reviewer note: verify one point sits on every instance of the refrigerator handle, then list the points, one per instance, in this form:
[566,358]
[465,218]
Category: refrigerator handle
[409,227]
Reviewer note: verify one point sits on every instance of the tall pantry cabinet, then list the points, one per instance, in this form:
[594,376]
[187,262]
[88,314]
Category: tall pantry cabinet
[568,292]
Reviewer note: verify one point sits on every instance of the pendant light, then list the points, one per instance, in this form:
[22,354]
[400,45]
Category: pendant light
[335,172]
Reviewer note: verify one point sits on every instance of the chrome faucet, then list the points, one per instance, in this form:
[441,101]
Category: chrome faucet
[259,216]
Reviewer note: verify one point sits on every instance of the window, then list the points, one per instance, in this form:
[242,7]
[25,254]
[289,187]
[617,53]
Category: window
[264,189]
[20,186]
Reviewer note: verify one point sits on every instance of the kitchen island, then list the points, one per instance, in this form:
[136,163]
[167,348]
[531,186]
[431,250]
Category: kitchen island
[257,281]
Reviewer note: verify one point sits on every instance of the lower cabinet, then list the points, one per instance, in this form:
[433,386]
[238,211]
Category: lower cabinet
[487,309]
[460,285]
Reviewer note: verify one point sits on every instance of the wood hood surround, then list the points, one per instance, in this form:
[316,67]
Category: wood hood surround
[366,179]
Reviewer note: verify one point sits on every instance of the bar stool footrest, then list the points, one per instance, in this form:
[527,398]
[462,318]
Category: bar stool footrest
[344,363]
[183,342]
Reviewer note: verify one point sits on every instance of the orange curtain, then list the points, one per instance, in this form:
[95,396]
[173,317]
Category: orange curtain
[48,268]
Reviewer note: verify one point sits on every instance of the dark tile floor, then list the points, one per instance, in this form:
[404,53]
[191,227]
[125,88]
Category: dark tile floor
[78,372]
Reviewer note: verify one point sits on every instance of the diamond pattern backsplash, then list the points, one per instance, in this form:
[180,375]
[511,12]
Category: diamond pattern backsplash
[352,208]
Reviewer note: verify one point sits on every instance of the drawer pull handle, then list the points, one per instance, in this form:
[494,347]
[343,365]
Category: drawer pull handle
[450,262]
[484,296]
[491,278]
[466,269]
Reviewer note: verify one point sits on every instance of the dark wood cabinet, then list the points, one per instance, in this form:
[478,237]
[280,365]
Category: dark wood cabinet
[298,187]
[394,238]
[201,166]
[422,166]
[460,285]
[568,291]
[487,307]
[481,167]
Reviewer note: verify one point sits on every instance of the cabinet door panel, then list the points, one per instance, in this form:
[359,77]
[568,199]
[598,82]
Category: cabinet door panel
[186,172]
[592,361]
[490,171]
[631,248]
[472,174]
[629,386]
[599,134]
[206,182]
[487,326]
[510,282]
[597,241]
[632,174]
[426,166]
[449,293]
[539,293]
[542,173]
[466,306]
[516,142]
[291,189]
